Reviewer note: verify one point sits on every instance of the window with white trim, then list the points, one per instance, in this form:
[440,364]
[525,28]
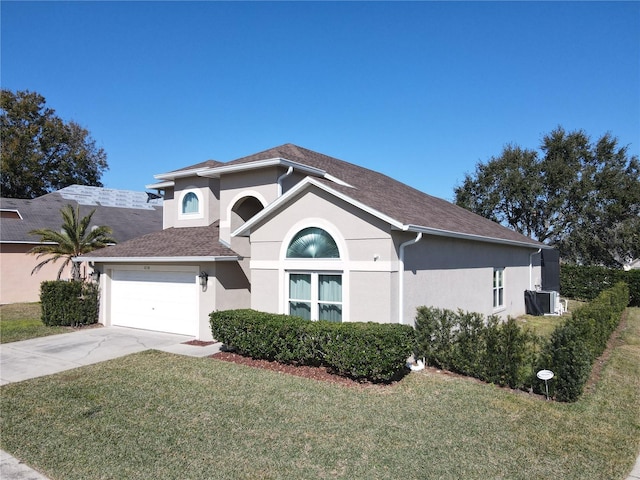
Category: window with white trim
[498,288]
[314,294]
[190,203]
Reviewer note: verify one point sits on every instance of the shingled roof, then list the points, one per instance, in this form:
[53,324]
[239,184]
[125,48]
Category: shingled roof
[392,198]
[127,221]
[196,242]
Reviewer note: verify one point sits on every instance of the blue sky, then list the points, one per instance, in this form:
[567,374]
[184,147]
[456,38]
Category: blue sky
[420,91]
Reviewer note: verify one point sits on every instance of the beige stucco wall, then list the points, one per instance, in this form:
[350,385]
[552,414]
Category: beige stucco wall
[260,184]
[208,191]
[453,273]
[367,256]
[438,271]
[16,282]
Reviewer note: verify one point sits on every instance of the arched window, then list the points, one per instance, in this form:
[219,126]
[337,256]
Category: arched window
[313,294]
[190,203]
[313,242]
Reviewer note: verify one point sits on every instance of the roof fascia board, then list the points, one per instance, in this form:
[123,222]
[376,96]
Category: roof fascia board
[299,187]
[155,259]
[180,173]
[28,242]
[473,237]
[215,172]
[161,185]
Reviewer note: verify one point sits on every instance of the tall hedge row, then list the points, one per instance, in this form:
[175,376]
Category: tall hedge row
[363,351]
[585,283]
[69,303]
[505,354]
[467,343]
[574,346]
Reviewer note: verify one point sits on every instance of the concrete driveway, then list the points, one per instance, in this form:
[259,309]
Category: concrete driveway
[47,355]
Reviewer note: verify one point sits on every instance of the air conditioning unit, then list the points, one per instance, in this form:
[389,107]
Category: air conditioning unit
[548,302]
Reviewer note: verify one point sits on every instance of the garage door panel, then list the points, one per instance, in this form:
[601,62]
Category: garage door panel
[155,300]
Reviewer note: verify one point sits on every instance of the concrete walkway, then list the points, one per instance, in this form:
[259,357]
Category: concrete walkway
[56,353]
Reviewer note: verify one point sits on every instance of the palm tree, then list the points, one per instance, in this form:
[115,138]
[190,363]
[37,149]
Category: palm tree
[74,239]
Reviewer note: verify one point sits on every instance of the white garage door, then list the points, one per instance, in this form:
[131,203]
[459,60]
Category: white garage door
[155,300]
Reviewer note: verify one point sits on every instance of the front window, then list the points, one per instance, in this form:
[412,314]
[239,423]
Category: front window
[313,243]
[498,288]
[316,296]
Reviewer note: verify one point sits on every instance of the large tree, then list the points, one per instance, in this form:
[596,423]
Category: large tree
[580,196]
[40,152]
[75,238]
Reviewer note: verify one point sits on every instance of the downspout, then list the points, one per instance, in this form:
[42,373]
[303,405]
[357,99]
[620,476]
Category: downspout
[281,178]
[401,274]
[531,268]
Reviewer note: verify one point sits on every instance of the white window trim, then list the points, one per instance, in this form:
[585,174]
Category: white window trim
[328,266]
[189,216]
[315,300]
[497,288]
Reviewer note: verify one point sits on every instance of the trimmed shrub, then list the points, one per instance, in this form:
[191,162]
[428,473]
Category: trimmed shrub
[504,354]
[569,357]
[373,351]
[467,343]
[69,303]
[575,345]
[363,351]
[435,336]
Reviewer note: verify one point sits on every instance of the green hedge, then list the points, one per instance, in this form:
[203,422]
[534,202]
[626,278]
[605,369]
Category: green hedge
[505,354]
[575,345]
[363,351]
[585,283]
[69,303]
[467,343]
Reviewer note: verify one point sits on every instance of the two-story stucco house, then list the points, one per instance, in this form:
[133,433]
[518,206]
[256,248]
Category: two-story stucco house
[289,230]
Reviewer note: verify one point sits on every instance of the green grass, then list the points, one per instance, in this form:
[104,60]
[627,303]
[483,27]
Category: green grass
[157,415]
[21,321]
[544,325]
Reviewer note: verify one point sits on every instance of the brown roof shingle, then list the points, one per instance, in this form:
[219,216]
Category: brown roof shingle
[391,197]
[172,242]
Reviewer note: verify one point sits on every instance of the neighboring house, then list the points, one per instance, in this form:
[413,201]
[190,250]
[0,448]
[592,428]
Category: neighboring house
[289,230]
[127,213]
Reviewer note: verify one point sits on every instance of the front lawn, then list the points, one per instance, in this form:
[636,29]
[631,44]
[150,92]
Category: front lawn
[157,415]
[21,321]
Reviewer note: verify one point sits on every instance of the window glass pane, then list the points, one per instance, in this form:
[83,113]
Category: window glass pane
[330,312]
[313,243]
[190,203]
[330,288]
[498,287]
[300,286]
[300,309]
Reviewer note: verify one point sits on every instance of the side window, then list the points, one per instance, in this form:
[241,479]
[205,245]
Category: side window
[190,203]
[498,288]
